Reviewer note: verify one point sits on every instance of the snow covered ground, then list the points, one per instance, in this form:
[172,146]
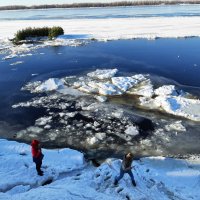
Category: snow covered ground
[82,31]
[112,29]
[71,177]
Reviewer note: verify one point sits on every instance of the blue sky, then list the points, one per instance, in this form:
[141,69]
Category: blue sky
[36,2]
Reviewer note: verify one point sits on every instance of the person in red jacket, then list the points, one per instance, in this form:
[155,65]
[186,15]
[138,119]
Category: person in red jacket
[37,156]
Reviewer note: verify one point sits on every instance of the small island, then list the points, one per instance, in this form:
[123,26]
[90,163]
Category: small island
[37,32]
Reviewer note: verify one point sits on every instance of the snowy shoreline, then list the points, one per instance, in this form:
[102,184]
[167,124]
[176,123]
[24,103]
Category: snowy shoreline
[70,177]
[114,29]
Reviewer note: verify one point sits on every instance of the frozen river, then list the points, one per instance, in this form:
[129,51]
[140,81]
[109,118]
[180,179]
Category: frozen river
[103,13]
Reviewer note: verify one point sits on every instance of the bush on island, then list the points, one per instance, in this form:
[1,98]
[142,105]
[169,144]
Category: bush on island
[38,32]
[55,31]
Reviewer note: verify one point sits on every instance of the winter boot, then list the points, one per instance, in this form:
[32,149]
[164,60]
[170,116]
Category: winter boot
[134,184]
[40,173]
[115,182]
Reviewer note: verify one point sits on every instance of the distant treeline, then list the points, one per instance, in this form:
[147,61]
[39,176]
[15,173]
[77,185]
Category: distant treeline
[122,3]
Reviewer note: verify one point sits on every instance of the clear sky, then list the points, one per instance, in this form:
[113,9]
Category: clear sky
[39,2]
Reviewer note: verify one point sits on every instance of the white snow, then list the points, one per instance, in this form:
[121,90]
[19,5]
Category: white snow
[156,177]
[120,28]
[166,90]
[49,85]
[180,106]
[103,74]
[124,83]
[176,105]
[108,89]
[144,89]
[111,29]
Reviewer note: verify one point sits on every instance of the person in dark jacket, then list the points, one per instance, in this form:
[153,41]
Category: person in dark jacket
[37,156]
[126,168]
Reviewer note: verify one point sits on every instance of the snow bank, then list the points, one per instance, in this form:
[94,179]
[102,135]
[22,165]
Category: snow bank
[120,28]
[113,29]
[156,177]
[18,169]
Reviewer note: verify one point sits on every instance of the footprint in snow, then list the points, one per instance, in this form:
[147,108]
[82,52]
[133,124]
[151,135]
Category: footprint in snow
[119,190]
[107,178]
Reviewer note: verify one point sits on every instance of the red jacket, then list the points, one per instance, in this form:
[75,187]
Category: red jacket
[36,150]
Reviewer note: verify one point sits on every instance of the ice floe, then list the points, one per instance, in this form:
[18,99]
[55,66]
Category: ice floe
[17,63]
[49,85]
[144,89]
[108,89]
[180,106]
[124,83]
[103,74]
[166,90]
[103,83]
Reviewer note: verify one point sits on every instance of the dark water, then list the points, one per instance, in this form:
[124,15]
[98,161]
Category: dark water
[103,13]
[176,59]
[169,60]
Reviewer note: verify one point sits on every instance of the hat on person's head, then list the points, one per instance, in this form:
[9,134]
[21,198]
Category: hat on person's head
[34,142]
[129,153]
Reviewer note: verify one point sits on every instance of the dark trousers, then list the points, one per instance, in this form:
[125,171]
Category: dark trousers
[38,166]
[122,172]
[38,163]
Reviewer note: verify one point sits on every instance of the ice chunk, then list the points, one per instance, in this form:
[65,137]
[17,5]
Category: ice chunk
[166,90]
[139,77]
[100,136]
[144,89]
[88,89]
[180,106]
[103,74]
[34,129]
[92,140]
[124,83]
[43,121]
[176,126]
[101,98]
[9,57]
[49,85]
[108,89]
[132,130]
[17,63]
[70,91]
